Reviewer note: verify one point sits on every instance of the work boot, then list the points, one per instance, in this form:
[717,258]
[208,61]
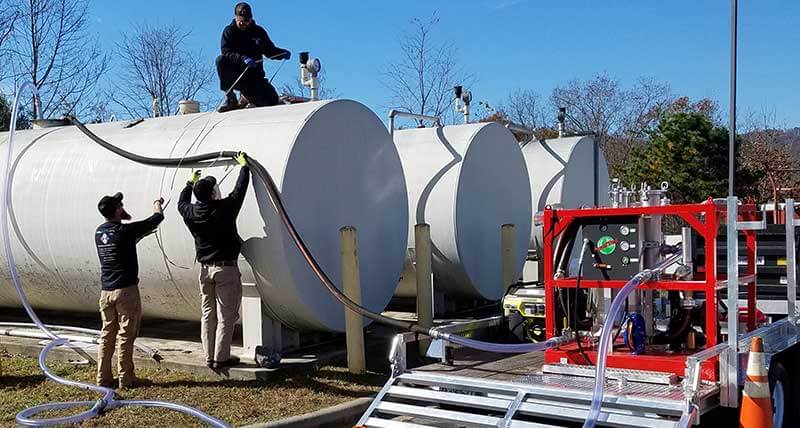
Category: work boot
[231,103]
[244,102]
[108,384]
[134,383]
[232,361]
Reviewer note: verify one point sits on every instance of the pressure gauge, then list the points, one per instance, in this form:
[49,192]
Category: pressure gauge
[624,245]
[624,230]
[626,260]
[313,65]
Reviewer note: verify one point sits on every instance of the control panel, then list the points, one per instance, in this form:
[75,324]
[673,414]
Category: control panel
[616,248]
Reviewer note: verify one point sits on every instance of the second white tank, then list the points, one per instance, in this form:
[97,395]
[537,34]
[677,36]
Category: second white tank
[569,172]
[466,181]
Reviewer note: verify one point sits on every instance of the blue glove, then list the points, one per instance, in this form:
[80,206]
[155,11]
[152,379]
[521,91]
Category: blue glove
[249,62]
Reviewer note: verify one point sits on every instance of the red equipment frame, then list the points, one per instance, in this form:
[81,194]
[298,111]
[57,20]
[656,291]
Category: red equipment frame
[705,218]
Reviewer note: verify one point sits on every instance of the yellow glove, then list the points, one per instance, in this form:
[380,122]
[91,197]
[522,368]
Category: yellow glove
[241,158]
[195,177]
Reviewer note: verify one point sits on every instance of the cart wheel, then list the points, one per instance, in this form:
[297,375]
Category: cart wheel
[782,392]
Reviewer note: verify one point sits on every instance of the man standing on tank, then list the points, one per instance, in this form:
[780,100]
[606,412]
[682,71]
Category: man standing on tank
[212,222]
[244,44]
[120,304]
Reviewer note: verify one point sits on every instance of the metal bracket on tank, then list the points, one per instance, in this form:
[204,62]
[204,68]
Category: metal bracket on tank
[398,113]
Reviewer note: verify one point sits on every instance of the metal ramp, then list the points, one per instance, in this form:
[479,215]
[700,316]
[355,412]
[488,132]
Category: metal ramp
[415,399]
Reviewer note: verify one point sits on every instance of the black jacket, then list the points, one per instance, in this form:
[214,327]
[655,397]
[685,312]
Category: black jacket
[213,223]
[116,248]
[252,42]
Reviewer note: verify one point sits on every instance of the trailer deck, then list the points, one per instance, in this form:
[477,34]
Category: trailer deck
[476,389]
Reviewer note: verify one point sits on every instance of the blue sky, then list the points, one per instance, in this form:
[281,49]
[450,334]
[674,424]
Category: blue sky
[511,44]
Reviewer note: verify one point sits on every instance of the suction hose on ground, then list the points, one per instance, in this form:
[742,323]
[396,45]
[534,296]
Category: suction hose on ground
[26,417]
[608,326]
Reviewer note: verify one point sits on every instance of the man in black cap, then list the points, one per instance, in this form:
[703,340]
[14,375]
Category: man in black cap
[244,44]
[212,222]
[120,304]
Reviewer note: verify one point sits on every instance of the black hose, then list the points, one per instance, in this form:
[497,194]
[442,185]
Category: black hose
[563,248]
[261,173]
[575,321]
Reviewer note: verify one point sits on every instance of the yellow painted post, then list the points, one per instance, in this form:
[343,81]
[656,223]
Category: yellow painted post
[422,251]
[354,324]
[422,243]
[507,245]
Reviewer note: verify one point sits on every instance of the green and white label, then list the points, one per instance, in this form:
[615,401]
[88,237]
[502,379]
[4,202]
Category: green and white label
[606,245]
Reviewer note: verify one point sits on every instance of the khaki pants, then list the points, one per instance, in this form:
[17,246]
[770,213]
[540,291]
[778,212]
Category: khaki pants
[220,299]
[121,311]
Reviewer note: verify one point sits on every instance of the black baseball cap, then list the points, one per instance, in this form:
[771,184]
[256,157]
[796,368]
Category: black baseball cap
[243,9]
[204,188]
[109,204]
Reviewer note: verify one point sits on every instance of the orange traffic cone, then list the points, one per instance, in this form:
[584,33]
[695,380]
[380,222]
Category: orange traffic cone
[756,404]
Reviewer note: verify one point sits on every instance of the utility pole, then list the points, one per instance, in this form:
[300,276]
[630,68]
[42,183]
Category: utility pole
[732,120]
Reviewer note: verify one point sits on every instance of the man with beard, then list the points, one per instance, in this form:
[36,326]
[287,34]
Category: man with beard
[120,304]
[244,45]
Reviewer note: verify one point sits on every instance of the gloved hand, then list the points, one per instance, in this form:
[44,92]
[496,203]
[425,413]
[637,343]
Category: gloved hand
[249,62]
[158,205]
[284,55]
[195,177]
[241,158]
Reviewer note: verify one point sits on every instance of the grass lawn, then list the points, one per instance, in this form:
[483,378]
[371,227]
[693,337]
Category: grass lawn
[22,384]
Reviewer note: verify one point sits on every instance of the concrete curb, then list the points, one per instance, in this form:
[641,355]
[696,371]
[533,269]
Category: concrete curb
[345,414]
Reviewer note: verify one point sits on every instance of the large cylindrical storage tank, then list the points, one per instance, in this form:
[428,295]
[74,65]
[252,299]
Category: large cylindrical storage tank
[466,181]
[335,165]
[571,172]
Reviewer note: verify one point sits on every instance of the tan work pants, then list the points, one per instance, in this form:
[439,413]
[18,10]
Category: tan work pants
[121,311]
[220,299]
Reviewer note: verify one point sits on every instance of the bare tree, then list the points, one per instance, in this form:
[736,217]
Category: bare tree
[596,106]
[295,88]
[157,69]
[645,100]
[525,107]
[8,17]
[766,153]
[421,80]
[52,48]
[620,118]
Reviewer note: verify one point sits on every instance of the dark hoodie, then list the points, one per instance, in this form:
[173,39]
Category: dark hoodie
[116,248]
[213,223]
[252,42]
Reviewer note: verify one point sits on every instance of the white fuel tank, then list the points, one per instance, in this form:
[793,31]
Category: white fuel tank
[335,165]
[570,172]
[466,181]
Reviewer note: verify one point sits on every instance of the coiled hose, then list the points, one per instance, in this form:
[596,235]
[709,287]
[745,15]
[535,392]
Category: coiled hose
[26,417]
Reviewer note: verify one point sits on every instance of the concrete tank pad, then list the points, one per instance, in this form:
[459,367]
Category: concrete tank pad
[178,355]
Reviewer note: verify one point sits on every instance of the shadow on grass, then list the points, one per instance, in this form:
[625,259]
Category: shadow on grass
[318,380]
[16,382]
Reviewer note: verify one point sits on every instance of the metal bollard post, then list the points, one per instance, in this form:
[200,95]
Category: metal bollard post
[507,245]
[354,324]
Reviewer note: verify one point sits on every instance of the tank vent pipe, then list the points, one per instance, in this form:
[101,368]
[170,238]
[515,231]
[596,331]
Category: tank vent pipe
[309,74]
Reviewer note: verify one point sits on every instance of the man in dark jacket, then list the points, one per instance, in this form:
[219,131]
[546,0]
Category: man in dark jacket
[120,304]
[244,44]
[212,222]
